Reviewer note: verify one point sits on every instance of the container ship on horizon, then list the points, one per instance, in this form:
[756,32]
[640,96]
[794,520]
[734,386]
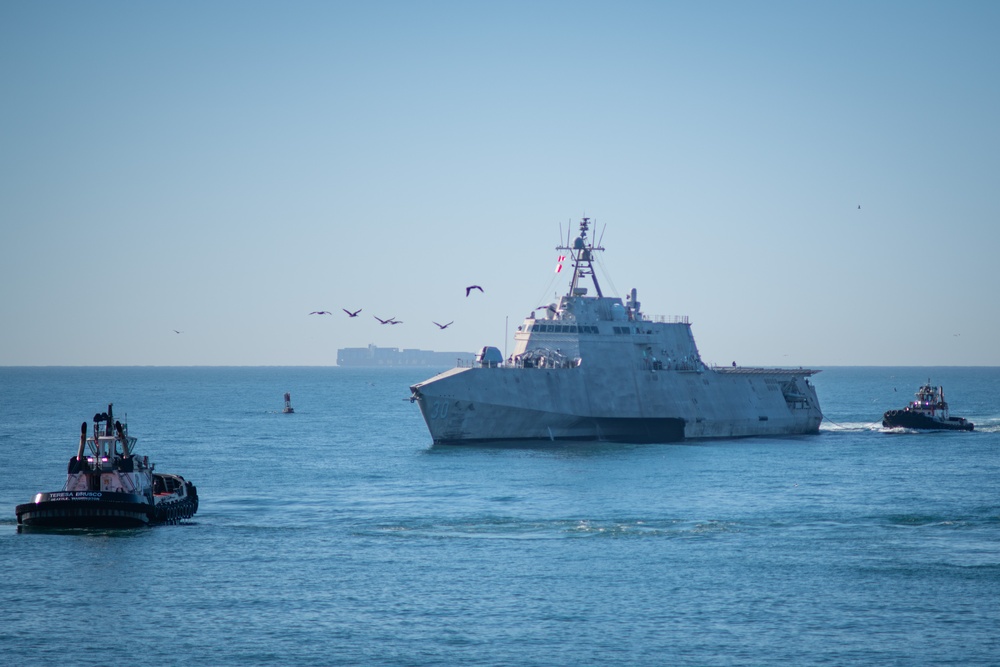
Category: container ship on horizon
[393,356]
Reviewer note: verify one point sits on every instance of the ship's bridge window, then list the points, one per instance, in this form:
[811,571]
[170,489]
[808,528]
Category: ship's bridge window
[563,328]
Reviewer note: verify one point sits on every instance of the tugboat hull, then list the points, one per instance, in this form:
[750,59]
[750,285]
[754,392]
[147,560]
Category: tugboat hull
[915,420]
[95,509]
[84,513]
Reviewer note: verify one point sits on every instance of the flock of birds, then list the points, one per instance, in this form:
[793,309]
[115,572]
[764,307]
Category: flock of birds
[389,320]
[393,320]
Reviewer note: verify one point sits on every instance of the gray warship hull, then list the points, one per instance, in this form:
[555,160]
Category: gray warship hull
[493,404]
[597,368]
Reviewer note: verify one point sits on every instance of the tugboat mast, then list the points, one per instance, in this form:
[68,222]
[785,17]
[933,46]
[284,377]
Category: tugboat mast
[582,253]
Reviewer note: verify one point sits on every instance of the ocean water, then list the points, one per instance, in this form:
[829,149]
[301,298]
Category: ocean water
[339,535]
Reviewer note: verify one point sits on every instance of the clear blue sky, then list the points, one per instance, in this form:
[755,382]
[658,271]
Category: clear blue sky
[224,168]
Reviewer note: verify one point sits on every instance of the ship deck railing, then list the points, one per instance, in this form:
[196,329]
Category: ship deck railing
[570,364]
[760,370]
[681,366]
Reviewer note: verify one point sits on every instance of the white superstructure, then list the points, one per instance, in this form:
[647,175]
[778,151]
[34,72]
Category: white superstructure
[593,367]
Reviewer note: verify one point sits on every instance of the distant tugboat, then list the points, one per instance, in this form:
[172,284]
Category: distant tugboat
[111,487]
[288,404]
[928,412]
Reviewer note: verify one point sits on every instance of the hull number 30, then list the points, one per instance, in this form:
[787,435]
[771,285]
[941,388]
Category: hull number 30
[439,410]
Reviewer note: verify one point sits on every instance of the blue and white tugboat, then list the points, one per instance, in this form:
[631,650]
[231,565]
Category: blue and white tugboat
[109,486]
[929,411]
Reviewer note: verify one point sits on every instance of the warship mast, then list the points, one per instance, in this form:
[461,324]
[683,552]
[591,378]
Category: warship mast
[582,253]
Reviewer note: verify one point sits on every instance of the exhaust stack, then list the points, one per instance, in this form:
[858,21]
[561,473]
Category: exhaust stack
[83,441]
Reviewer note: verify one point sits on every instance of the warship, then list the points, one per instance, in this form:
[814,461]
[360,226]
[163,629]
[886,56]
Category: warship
[592,367]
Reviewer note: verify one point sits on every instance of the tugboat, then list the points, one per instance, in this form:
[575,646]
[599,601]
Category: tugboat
[111,487]
[928,412]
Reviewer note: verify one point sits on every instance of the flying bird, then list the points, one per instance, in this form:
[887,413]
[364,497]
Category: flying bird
[472,287]
[444,326]
[354,314]
[321,312]
[176,331]
[381,321]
